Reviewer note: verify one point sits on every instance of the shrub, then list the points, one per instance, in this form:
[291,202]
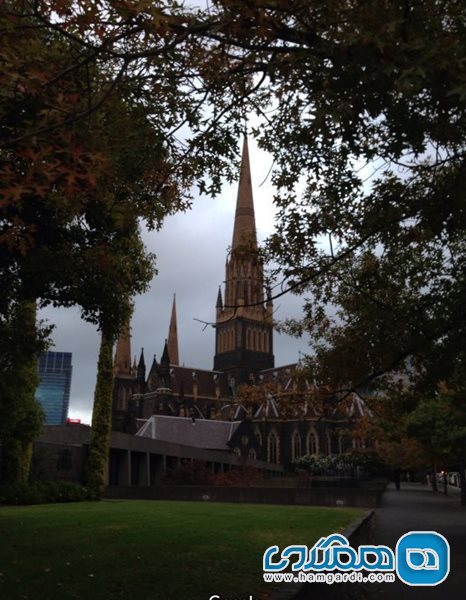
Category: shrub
[367,460]
[44,492]
[193,472]
[238,477]
[198,473]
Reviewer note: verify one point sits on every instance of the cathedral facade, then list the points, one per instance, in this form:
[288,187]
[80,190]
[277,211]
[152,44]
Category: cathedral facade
[278,415]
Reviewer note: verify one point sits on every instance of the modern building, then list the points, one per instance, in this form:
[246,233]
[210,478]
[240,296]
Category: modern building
[286,416]
[53,391]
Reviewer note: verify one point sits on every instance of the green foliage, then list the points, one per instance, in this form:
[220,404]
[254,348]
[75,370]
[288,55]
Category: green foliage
[439,424]
[20,414]
[366,121]
[44,492]
[72,193]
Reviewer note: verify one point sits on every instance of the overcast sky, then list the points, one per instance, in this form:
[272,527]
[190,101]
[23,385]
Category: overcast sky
[191,250]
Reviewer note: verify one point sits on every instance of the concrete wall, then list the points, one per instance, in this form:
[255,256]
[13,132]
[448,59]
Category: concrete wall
[260,495]
[58,461]
[61,451]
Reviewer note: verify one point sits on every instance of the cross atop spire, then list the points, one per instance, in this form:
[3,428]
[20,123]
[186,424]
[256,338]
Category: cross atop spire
[173,336]
[244,231]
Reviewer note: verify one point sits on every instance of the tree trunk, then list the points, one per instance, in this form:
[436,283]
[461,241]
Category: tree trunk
[97,463]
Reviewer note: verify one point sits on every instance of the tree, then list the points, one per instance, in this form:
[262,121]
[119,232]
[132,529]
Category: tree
[85,153]
[97,462]
[366,112]
[345,92]
[71,200]
[366,124]
[439,423]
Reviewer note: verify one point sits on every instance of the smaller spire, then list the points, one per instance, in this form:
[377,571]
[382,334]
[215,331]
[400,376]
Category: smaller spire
[219,298]
[154,366]
[141,366]
[165,360]
[173,336]
[141,359]
[164,369]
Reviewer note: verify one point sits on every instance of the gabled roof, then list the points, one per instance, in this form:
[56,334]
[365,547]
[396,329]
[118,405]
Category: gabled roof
[197,433]
[269,409]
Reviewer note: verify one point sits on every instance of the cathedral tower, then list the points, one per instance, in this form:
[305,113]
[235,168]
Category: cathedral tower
[244,319]
[122,361]
[128,379]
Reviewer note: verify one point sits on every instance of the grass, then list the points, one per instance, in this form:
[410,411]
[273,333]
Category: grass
[149,550]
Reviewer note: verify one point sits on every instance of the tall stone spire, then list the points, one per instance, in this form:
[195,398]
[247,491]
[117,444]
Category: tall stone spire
[173,336]
[122,361]
[244,230]
[244,273]
[244,323]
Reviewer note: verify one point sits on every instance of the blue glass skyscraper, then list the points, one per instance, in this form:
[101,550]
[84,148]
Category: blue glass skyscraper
[53,391]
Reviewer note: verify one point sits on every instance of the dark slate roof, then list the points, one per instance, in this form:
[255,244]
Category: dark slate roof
[182,380]
[198,433]
[282,375]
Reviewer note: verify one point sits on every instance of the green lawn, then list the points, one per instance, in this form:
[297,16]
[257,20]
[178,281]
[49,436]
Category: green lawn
[149,550]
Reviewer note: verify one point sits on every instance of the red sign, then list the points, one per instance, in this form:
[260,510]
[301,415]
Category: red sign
[73,421]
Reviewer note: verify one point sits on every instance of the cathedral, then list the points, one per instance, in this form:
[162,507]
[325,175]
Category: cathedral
[246,404]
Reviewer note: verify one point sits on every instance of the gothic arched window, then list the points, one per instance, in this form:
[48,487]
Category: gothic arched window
[340,443]
[122,399]
[273,448]
[258,436]
[312,443]
[295,446]
[329,442]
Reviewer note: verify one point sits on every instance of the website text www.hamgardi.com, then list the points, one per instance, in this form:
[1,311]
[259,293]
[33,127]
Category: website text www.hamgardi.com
[353,577]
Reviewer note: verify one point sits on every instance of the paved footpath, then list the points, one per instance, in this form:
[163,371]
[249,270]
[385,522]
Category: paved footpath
[413,508]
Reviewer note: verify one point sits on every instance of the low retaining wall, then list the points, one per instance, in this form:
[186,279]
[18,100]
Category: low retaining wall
[323,482]
[363,498]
